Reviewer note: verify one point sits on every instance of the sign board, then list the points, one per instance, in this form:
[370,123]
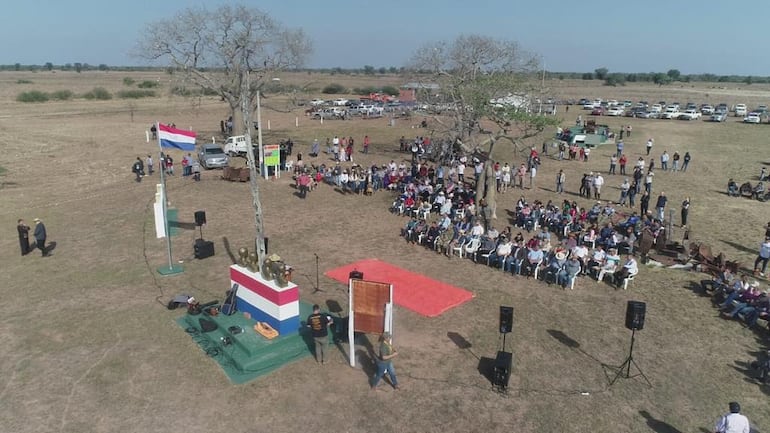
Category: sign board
[272,155]
[370,310]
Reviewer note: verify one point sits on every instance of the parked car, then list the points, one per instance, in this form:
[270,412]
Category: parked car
[707,110]
[636,111]
[340,102]
[236,145]
[753,118]
[598,111]
[719,116]
[656,108]
[317,102]
[649,115]
[212,156]
[671,112]
[761,109]
[615,111]
[740,110]
[690,114]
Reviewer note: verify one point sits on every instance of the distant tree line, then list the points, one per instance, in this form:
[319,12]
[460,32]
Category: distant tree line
[659,78]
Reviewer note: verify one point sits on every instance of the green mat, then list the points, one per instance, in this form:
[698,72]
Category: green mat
[249,355]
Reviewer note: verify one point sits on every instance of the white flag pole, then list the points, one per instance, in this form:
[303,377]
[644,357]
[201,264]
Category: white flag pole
[171,269]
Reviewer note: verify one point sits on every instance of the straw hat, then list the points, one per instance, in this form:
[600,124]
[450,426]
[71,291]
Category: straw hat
[561,255]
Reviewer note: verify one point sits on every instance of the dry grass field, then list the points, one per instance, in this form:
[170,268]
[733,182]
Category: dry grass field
[88,345]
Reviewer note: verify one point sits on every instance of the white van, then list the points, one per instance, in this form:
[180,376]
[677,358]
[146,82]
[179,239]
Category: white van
[236,145]
[741,110]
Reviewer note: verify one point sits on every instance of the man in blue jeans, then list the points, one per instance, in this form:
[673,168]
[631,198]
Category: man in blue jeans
[385,361]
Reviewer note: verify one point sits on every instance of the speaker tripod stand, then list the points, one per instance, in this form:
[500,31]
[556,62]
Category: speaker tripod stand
[317,287]
[624,370]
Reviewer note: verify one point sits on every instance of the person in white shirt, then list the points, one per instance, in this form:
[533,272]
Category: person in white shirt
[630,267]
[478,230]
[763,257]
[504,248]
[598,183]
[733,422]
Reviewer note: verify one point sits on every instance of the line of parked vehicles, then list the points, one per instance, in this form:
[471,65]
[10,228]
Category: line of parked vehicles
[674,110]
[341,108]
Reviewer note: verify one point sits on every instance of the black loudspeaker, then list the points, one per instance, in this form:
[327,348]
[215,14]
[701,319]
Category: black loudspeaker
[203,249]
[635,315]
[506,319]
[356,275]
[200,217]
[502,370]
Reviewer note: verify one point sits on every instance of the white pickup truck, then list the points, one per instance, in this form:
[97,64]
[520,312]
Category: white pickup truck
[741,110]
[236,145]
[671,112]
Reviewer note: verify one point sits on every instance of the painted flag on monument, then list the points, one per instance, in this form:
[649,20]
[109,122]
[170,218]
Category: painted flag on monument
[176,138]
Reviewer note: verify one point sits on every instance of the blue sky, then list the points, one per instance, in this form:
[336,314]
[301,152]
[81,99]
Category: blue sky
[624,36]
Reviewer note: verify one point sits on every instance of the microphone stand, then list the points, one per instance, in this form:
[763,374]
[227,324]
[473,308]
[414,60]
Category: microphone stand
[317,276]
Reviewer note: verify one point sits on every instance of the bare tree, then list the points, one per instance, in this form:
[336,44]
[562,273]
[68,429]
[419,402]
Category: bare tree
[482,82]
[214,49]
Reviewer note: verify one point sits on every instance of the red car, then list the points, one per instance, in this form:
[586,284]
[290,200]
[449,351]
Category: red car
[599,111]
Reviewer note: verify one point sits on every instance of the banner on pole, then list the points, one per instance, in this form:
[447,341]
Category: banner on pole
[272,155]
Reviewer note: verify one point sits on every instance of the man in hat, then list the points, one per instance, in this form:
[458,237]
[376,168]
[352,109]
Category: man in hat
[385,361]
[319,329]
[23,237]
[40,236]
[733,422]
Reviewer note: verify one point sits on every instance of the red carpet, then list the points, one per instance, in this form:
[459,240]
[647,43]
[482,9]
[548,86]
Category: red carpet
[413,291]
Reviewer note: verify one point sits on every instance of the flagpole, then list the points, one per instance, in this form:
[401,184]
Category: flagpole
[171,269]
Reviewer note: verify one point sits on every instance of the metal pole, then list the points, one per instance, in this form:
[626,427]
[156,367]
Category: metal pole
[164,196]
[259,241]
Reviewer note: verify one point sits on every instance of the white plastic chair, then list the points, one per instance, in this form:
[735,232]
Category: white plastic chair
[472,247]
[459,248]
[629,278]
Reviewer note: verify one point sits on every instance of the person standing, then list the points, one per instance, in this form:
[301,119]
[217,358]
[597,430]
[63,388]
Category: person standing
[23,237]
[660,205]
[649,146]
[733,422]
[598,184]
[644,203]
[762,257]
[675,163]
[685,210]
[385,361]
[532,174]
[613,163]
[686,161]
[623,161]
[41,235]
[319,329]
[149,162]
[560,179]
[632,195]
[304,182]
[622,130]
[366,144]
[169,163]
[628,131]
[138,169]
[625,187]
[620,145]
[664,161]
[648,182]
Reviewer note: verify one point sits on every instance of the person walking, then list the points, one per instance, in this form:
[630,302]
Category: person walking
[660,205]
[41,235]
[385,362]
[685,210]
[686,161]
[560,179]
[23,230]
[319,329]
[762,257]
[649,146]
[138,169]
[733,422]
[150,167]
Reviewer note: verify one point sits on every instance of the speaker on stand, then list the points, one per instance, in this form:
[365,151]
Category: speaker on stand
[203,249]
[501,373]
[635,315]
[200,221]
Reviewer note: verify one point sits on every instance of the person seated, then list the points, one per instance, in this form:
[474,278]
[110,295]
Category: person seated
[570,270]
[501,253]
[580,252]
[732,188]
[493,234]
[487,246]
[760,309]
[746,189]
[409,227]
[596,260]
[759,191]
[718,283]
[534,258]
[610,265]
[420,228]
[433,232]
[746,301]
[626,243]
[630,268]
[556,262]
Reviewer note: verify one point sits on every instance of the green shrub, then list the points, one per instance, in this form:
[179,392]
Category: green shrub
[99,93]
[136,94]
[32,96]
[128,81]
[334,88]
[20,81]
[390,90]
[147,84]
[62,95]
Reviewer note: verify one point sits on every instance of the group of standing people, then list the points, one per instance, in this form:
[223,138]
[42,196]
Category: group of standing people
[39,233]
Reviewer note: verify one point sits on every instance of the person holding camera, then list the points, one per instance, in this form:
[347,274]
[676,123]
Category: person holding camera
[385,361]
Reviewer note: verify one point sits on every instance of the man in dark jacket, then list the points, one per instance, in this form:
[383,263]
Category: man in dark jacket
[23,237]
[40,236]
[660,205]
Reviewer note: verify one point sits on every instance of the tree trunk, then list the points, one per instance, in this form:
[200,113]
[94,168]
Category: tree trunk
[491,197]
